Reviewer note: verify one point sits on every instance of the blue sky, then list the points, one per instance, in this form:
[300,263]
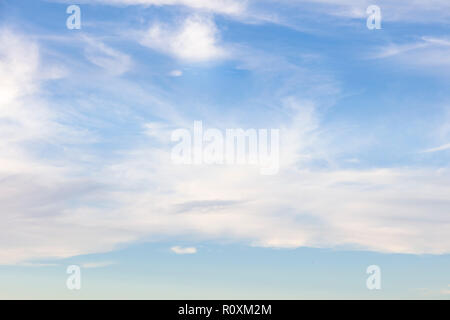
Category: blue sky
[86,118]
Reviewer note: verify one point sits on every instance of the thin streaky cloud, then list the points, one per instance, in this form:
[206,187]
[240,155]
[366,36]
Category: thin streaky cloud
[232,7]
[440,148]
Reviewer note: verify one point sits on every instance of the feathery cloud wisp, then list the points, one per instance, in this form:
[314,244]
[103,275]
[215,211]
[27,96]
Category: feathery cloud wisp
[232,7]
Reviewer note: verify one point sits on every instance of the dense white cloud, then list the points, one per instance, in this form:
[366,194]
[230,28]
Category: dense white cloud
[23,116]
[35,190]
[195,40]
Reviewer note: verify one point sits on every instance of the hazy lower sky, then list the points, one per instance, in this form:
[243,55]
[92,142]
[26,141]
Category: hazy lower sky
[87,176]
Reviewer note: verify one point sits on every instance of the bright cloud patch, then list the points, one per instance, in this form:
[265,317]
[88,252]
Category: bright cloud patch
[176,73]
[181,250]
[196,40]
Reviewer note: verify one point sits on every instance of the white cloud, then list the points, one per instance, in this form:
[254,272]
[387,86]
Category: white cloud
[62,211]
[195,40]
[289,12]
[113,61]
[35,190]
[429,52]
[18,68]
[66,209]
[23,116]
[382,210]
[440,148]
[400,10]
[186,250]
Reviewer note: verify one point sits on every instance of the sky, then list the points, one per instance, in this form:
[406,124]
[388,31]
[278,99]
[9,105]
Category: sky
[87,176]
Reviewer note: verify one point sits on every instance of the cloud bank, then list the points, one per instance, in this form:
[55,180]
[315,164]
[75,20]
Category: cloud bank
[59,198]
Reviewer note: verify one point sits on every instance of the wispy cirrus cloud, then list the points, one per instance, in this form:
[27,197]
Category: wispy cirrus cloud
[440,148]
[399,11]
[66,210]
[432,11]
[34,187]
[77,206]
[232,7]
[428,52]
[112,61]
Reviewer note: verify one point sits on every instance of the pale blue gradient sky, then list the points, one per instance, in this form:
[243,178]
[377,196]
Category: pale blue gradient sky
[225,271]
